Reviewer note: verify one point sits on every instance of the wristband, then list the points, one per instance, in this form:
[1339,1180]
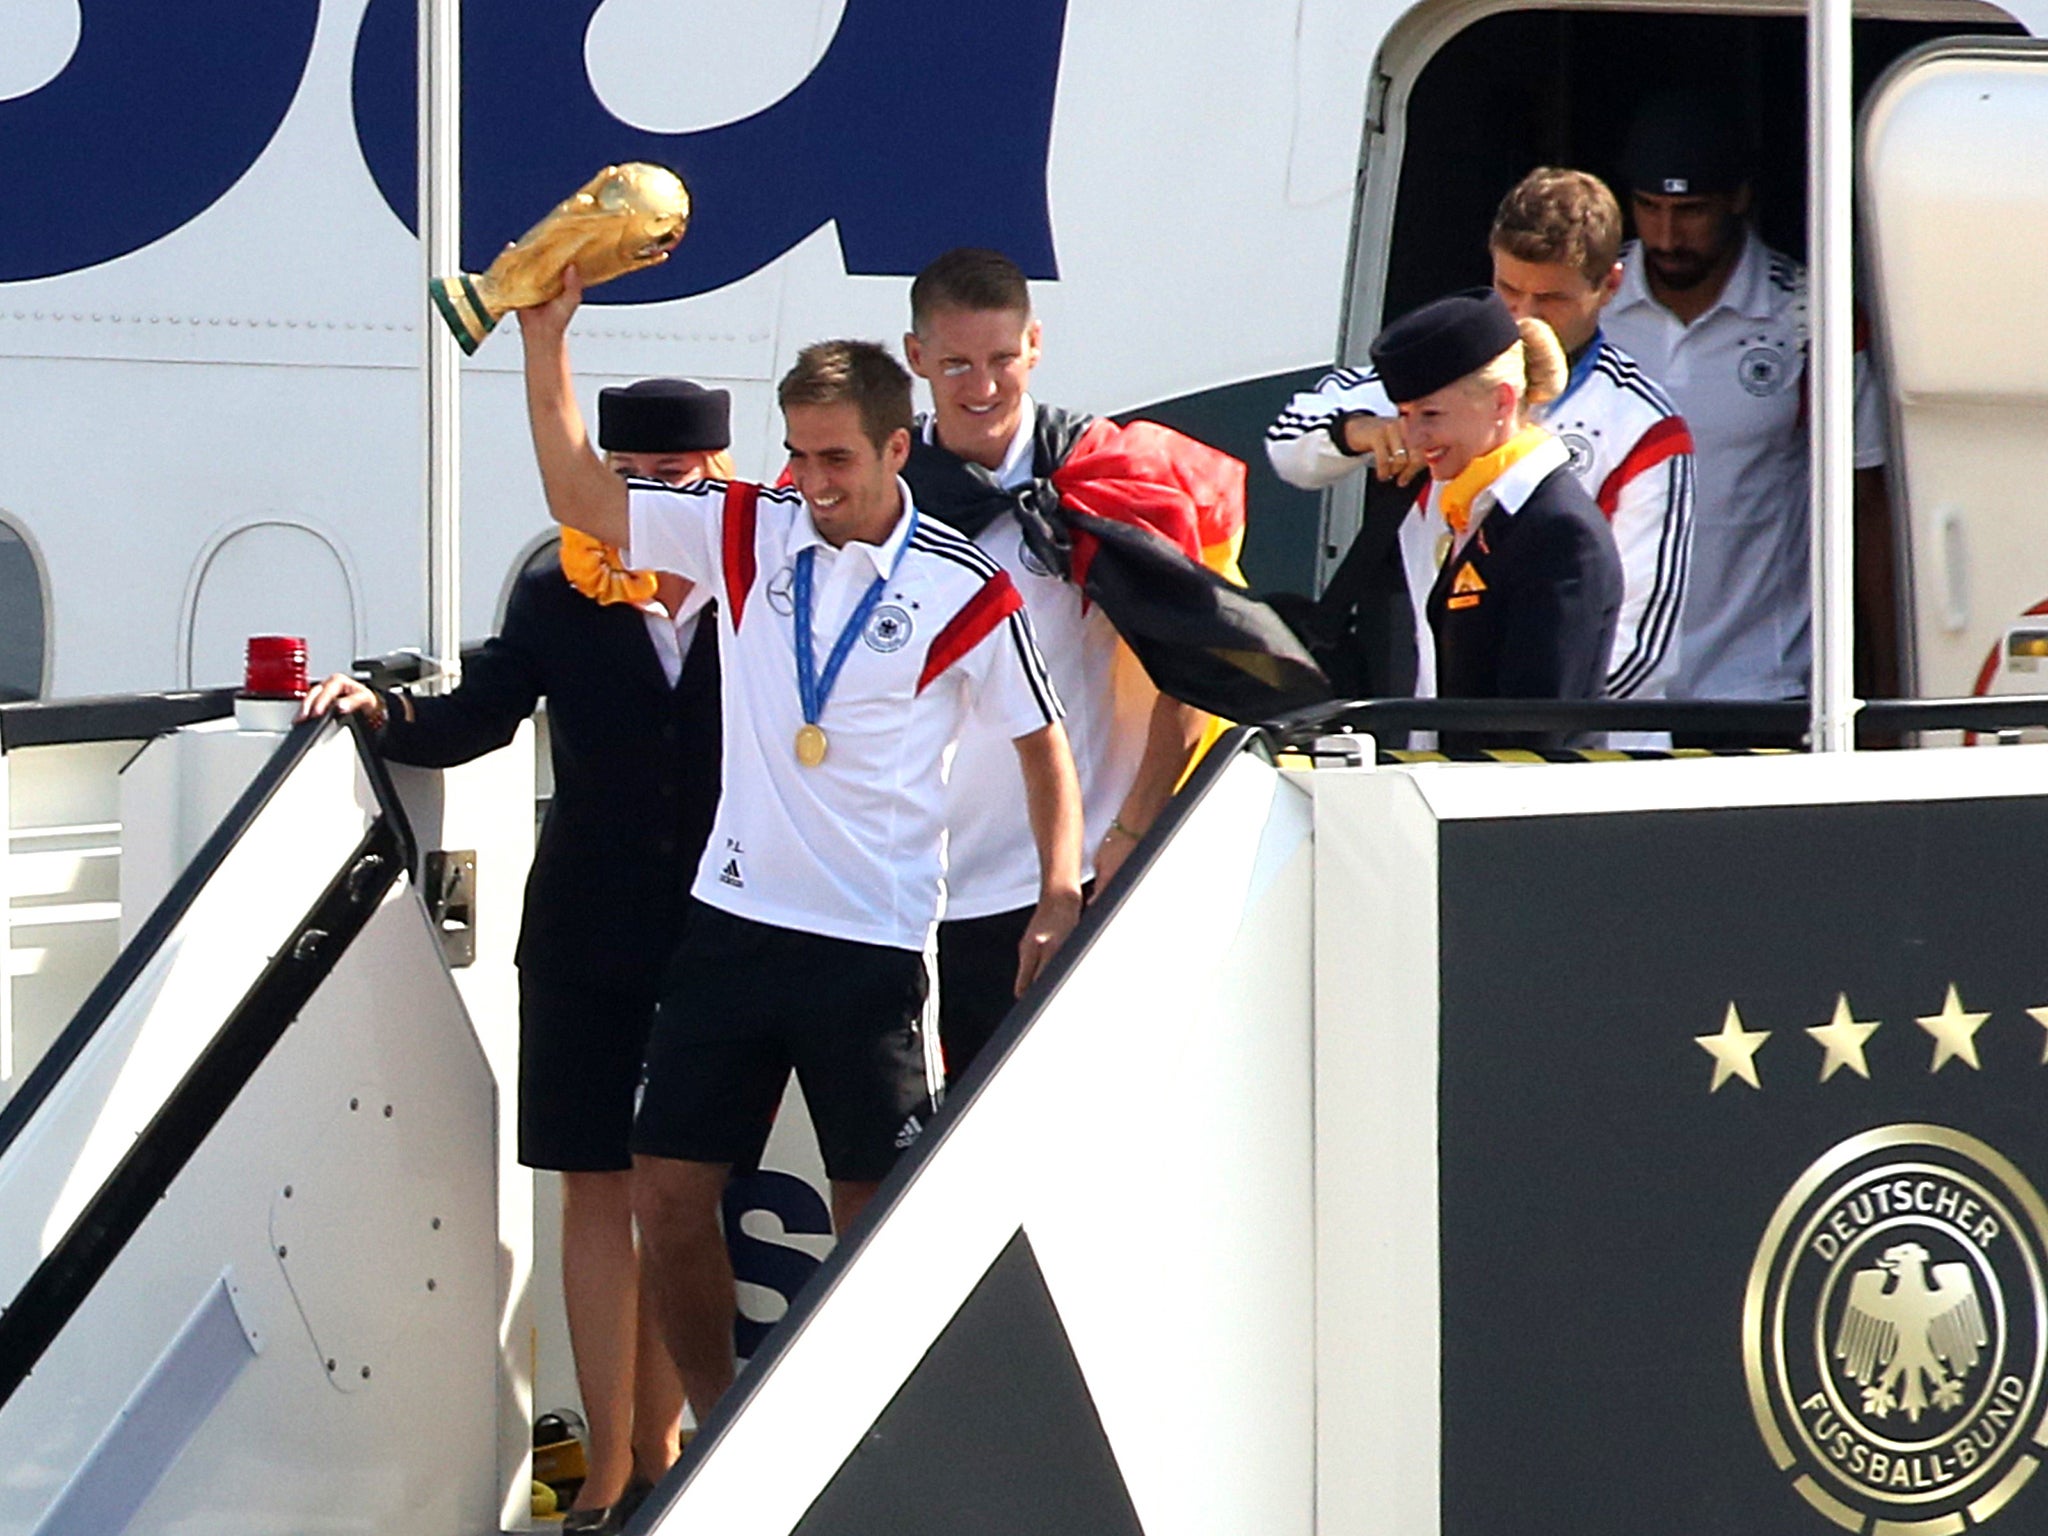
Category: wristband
[1116,825]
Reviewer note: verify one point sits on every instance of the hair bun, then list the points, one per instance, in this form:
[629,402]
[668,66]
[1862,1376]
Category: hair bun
[1543,357]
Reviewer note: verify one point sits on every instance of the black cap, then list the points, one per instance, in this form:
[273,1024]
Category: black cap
[664,416]
[1441,342]
[1685,144]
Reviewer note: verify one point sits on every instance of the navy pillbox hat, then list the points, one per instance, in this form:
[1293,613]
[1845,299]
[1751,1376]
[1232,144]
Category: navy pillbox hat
[664,416]
[1441,342]
[1685,144]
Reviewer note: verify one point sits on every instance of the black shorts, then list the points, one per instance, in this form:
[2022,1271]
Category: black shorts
[977,982]
[746,1003]
[580,1049]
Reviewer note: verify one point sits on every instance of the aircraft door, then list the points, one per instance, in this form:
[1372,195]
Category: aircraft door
[1955,213]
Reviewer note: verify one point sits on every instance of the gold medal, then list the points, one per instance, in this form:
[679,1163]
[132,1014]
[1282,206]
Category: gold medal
[810,746]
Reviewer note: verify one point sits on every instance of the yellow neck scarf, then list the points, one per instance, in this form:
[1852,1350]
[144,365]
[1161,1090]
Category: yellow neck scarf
[1464,488]
[593,569]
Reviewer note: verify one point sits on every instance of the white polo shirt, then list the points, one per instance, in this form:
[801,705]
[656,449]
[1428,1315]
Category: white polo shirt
[992,861]
[851,848]
[1738,374]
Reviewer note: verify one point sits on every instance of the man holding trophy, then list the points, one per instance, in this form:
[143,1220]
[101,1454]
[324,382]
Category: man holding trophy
[858,638]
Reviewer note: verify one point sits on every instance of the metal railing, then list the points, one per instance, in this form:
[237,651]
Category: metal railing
[250,1027]
[110,717]
[1732,720]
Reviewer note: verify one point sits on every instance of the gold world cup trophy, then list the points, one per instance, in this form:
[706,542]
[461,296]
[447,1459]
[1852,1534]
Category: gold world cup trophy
[625,217]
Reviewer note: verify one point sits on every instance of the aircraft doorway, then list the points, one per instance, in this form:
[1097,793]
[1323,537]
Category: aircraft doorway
[1513,91]
[1466,103]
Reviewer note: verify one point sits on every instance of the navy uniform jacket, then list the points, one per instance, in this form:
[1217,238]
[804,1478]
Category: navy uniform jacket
[1526,610]
[636,775]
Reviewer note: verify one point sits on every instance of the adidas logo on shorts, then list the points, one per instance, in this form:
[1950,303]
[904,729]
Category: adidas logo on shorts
[912,1129]
[730,875]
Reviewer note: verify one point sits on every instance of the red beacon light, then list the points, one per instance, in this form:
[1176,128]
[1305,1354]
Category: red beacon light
[276,668]
[273,682]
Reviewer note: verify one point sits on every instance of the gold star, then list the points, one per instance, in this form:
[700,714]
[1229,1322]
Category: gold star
[1844,1036]
[1954,1031]
[2040,1017]
[1734,1050]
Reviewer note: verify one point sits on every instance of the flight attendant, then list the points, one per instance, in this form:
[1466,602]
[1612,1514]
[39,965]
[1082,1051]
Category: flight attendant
[628,663]
[1526,600]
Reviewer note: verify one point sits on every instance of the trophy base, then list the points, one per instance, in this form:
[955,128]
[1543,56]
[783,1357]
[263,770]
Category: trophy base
[468,317]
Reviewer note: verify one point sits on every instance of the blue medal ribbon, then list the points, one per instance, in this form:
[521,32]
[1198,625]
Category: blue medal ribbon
[814,688]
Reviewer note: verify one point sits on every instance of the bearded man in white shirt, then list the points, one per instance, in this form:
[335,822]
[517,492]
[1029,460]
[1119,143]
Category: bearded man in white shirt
[1720,320]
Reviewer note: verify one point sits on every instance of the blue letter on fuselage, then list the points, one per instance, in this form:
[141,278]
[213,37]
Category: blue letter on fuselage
[160,110]
[926,125]
[774,1267]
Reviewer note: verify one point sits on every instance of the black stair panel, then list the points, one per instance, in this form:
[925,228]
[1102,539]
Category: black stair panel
[994,1433]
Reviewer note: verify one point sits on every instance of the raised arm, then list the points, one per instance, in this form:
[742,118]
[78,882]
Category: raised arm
[581,492]
[1345,423]
[1052,796]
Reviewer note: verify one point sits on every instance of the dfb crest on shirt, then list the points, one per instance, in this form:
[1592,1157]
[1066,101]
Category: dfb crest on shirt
[887,629]
[782,591]
[1761,370]
[1029,558]
[1581,452]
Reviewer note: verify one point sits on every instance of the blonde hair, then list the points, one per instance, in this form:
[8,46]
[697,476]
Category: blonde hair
[1533,367]
[710,464]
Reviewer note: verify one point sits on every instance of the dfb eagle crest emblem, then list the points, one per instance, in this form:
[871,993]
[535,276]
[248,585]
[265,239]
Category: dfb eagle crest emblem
[1910,1345]
[1895,1331]
[887,629]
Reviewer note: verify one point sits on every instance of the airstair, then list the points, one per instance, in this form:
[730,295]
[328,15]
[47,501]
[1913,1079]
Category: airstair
[1452,1147]
[248,1252]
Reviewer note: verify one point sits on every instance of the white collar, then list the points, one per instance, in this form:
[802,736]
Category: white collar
[803,534]
[1635,280]
[1514,485]
[1746,289]
[1018,458]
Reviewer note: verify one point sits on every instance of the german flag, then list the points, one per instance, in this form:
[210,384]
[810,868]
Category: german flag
[1149,524]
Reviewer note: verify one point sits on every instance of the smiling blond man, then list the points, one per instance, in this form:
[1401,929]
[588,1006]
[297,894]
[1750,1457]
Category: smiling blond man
[974,340]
